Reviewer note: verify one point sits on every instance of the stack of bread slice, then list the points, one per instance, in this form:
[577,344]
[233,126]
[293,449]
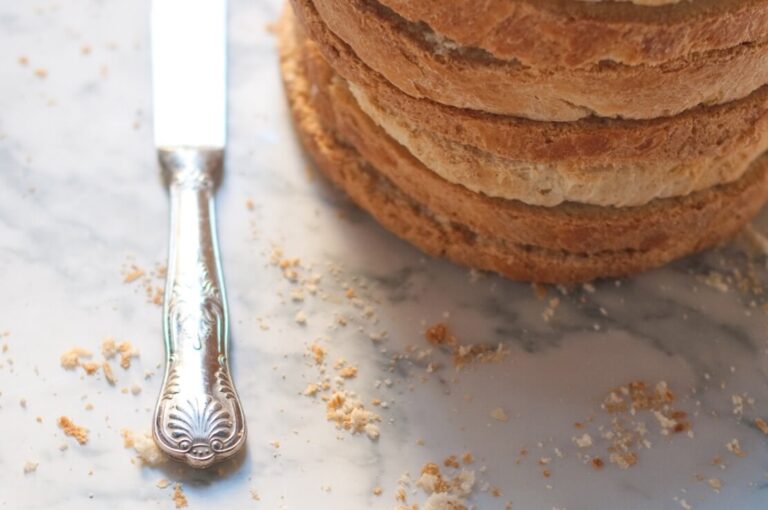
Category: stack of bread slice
[546,140]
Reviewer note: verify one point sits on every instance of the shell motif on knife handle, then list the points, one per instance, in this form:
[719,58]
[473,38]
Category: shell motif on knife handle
[198,419]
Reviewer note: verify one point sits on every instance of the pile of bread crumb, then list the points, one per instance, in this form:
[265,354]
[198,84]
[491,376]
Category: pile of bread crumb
[152,281]
[627,433]
[444,490]
[464,354]
[110,349]
[144,446]
[343,407]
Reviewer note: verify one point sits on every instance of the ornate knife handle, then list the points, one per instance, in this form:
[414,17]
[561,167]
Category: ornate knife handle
[198,419]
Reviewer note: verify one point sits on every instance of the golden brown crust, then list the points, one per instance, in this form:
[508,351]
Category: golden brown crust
[571,227]
[614,183]
[700,132]
[565,253]
[420,68]
[570,33]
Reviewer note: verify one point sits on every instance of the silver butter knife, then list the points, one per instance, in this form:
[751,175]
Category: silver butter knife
[198,418]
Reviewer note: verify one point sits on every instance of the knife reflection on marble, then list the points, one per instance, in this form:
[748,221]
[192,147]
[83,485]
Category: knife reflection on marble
[198,418]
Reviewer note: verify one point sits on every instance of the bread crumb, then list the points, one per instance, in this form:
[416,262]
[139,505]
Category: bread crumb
[738,404]
[162,483]
[23,61]
[108,348]
[466,354]
[377,491]
[624,460]
[301,318]
[30,467]
[437,334]
[715,483]
[431,479]
[499,414]
[372,431]
[178,496]
[311,390]
[72,430]
[255,495]
[348,372]
[109,375]
[157,296]
[734,447]
[444,493]
[285,264]
[585,441]
[127,438]
[127,352]
[90,367]
[761,425]
[716,280]
[597,463]
[133,274]
[143,444]
[135,389]
[318,353]
[71,358]
[549,311]
[451,461]
[666,423]
[41,73]
[350,414]
[442,501]
[627,433]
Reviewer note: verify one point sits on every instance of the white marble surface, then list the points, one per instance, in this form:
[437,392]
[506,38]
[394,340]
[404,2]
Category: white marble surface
[80,198]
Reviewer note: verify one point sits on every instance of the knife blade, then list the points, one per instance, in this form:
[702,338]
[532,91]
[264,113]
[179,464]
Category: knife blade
[189,72]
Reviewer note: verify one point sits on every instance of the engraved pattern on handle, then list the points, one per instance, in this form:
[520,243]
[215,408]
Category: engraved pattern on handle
[198,419]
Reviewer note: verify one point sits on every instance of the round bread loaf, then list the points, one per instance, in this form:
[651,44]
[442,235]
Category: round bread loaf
[567,243]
